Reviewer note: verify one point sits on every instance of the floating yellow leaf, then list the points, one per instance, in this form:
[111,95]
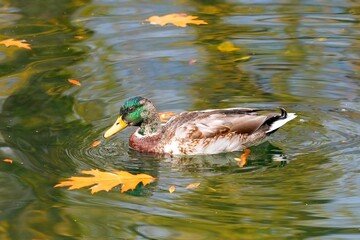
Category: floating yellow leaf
[243,58]
[193,185]
[105,181]
[18,43]
[227,47]
[322,39]
[172,189]
[74,81]
[242,160]
[165,116]
[212,189]
[178,19]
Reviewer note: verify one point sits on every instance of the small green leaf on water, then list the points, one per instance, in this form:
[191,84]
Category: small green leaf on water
[243,58]
[227,47]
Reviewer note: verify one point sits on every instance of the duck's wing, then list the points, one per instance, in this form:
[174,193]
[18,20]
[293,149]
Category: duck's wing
[212,123]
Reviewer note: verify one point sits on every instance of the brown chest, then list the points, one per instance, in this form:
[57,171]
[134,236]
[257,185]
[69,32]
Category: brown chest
[148,144]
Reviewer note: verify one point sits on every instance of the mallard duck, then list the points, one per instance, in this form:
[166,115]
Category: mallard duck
[197,132]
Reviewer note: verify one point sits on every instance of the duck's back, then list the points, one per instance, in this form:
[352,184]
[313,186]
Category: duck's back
[215,131]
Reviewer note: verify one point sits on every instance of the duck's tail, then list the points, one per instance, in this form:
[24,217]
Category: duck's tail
[282,120]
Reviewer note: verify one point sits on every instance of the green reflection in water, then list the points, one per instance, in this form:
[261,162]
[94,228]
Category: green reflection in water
[303,184]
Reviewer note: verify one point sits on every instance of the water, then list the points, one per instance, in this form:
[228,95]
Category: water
[301,184]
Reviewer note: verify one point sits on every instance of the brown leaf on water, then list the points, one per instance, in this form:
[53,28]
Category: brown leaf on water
[105,181]
[165,116]
[178,19]
[193,185]
[242,160]
[18,43]
[96,143]
[192,61]
[74,81]
[172,189]
[7,160]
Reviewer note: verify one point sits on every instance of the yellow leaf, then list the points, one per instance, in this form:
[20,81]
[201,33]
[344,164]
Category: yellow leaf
[243,58]
[18,43]
[74,81]
[105,181]
[130,181]
[227,47]
[165,116]
[193,185]
[242,160]
[172,188]
[178,19]
[322,39]
[212,189]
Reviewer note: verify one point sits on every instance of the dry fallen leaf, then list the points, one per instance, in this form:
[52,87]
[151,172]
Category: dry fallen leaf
[105,181]
[242,160]
[18,43]
[165,116]
[192,61]
[74,81]
[227,47]
[178,19]
[193,185]
[172,189]
[96,143]
[7,160]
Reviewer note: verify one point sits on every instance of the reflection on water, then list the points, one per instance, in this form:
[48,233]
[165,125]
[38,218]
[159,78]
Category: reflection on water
[303,56]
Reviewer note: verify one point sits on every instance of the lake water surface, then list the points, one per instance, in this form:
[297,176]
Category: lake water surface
[304,183]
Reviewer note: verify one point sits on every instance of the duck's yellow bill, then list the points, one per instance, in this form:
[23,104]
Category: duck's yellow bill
[117,127]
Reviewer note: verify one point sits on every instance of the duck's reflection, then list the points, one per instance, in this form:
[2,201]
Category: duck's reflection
[265,155]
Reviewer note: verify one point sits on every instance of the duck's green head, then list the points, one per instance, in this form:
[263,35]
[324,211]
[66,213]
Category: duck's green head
[134,112]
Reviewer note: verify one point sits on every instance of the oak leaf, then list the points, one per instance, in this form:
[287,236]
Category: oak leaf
[19,43]
[178,19]
[105,181]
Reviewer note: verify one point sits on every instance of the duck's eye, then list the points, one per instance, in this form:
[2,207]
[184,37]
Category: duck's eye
[131,109]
